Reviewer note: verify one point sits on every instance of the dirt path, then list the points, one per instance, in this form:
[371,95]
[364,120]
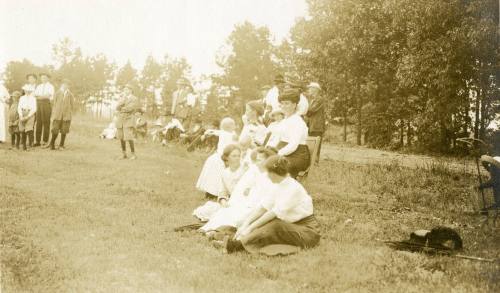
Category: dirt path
[361,155]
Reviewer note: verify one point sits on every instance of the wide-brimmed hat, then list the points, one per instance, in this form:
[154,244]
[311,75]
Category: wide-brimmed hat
[492,160]
[16,94]
[290,94]
[28,88]
[257,106]
[278,78]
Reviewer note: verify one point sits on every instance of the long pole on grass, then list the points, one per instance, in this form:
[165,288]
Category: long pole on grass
[472,142]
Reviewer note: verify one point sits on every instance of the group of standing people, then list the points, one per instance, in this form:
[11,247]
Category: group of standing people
[256,204]
[27,114]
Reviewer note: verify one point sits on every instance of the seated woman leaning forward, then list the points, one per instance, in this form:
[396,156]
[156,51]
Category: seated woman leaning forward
[229,178]
[293,131]
[283,223]
[246,195]
[210,176]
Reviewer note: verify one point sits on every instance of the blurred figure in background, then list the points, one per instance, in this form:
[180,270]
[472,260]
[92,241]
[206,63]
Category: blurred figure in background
[315,117]
[127,106]
[61,119]
[4,97]
[27,110]
[15,137]
[44,94]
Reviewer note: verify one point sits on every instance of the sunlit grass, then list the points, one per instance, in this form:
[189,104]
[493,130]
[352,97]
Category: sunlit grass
[83,221]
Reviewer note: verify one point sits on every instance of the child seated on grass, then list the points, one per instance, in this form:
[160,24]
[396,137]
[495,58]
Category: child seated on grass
[172,131]
[193,135]
[110,131]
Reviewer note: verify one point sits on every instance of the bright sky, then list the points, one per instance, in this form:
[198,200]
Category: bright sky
[132,29]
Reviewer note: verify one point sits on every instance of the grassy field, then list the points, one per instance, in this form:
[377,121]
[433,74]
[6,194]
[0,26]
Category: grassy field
[81,220]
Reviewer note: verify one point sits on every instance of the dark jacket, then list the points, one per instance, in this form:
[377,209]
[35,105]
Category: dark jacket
[62,105]
[316,115]
[493,183]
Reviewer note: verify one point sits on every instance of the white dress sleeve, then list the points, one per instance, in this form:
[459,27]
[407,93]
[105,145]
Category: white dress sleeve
[303,105]
[294,137]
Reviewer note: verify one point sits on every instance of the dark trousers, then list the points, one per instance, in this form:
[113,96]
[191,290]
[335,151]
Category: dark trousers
[320,135]
[43,112]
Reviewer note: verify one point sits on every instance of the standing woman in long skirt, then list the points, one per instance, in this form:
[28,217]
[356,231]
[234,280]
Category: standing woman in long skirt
[4,97]
[293,132]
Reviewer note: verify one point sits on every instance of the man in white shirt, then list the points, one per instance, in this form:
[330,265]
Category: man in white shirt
[44,95]
[272,98]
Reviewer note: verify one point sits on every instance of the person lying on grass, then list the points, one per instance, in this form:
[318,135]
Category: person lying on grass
[246,195]
[229,178]
[283,223]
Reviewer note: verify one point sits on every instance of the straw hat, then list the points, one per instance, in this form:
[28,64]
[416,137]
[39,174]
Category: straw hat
[492,160]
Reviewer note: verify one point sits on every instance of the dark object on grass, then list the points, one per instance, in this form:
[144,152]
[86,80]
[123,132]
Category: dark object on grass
[442,240]
[189,227]
[438,241]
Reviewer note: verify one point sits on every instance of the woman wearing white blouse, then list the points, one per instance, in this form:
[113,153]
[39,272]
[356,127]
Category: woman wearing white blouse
[294,134]
[253,128]
[4,97]
[283,223]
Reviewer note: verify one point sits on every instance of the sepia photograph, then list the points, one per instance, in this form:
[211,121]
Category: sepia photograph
[249,146]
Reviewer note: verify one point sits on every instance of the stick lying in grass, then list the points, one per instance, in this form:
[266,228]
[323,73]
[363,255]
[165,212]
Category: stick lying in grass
[404,245]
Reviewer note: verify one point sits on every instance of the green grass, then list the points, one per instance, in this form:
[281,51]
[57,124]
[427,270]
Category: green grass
[83,221]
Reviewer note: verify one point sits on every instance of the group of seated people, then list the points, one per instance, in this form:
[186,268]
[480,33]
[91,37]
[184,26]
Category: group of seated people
[255,202]
[171,130]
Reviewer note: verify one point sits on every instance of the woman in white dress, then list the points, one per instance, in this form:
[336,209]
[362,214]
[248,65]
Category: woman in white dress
[4,97]
[209,180]
[253,127]
[246,195]
[229,178]
[294,132]
[273,136]
[283,223]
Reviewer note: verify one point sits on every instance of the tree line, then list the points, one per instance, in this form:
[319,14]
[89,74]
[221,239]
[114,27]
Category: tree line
[412,74]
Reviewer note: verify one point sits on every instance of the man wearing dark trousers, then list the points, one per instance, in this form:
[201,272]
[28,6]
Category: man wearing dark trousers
[44,94]
[63,106]
[315,116]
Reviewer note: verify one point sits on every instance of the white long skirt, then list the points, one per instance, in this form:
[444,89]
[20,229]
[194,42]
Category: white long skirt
[231,216]
[210,179]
